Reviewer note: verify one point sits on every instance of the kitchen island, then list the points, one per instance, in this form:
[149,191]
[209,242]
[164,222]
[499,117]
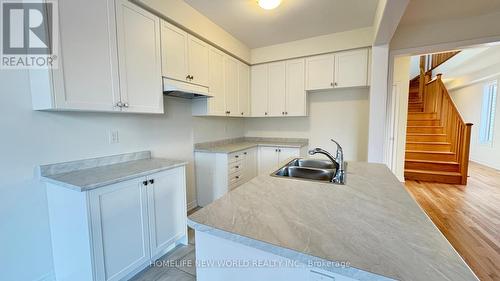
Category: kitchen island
[283,229]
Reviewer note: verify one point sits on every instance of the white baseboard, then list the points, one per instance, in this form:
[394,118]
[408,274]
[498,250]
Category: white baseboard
[49,276]
[191,205]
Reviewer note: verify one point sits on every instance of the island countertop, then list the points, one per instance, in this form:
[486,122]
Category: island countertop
[371,222]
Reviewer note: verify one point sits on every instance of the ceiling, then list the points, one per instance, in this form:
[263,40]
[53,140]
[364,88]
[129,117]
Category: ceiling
[422,11]
[292,20]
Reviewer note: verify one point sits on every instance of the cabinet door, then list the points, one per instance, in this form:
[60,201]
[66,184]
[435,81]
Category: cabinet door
[166,209]
[319,72]
[268,159]
[120,232]
[139,58]
[174,52]
[351,68]
[198,61]
[87,77]
[244,89]
[231,85]
[250,164]
[259,90]
[217,103]
[285,153]
[295,88]
[277,83]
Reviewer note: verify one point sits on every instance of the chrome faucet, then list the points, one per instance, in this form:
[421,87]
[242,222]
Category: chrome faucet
[338,161]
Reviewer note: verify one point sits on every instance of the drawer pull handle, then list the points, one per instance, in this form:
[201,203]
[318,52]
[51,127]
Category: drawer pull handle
[237,156]
[244,153]
[237,167]
[237,177]
[151,181]
[145,182]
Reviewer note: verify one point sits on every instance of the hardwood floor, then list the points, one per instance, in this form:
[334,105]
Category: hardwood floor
[468,216]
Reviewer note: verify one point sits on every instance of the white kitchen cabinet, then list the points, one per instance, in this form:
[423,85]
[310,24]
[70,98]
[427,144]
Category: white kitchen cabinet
[139,58]
[166,209]
[89,76]
[120,229]
[231,86]
[296,102]
[244,89]
[277,91]
[270,157]
[351,68]
[338,70]
[216,105]
[319,72]
[184,57]
[198,61]
[259,90]
[174,52]
[115,231]
[219,173]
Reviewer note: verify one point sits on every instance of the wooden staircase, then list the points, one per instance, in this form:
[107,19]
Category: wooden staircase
[437,139]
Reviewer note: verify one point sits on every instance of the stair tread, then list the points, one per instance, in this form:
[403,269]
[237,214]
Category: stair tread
[441,173]
[424,134]
[428,142]
[433,161]
[430,151]
[425,126]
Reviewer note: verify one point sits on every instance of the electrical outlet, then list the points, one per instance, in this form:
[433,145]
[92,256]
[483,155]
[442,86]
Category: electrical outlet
[114,137]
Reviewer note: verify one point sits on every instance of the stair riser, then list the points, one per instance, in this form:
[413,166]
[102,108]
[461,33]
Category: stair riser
[424,130]
[430,156]
[428,138]
[432,166]
[433,178]
[428,146]
[422,116]
[410,110]
[424,123]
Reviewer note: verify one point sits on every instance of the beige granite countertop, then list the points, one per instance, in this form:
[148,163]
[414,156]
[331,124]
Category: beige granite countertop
[371,222]
[238,144]
[88,174]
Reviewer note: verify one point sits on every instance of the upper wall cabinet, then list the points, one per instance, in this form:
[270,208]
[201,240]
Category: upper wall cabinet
[244,89]
[139,59]
[228,84]
[277,89]
[184,57]
[338,70]
[89,76]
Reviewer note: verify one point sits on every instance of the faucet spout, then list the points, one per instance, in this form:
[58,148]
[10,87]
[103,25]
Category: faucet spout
[340,174]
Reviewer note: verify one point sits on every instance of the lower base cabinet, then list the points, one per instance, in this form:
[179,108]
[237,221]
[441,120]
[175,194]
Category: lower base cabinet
[219,173]
[113,232]
[270,157]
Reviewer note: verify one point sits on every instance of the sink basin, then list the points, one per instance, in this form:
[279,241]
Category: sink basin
[310,170]
[312,163]
[306,173]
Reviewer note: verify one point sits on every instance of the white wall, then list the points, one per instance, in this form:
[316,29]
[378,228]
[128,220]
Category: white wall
[468,30]
[468,100]
[30,138]
[334,42]
[189,18]
[341,114]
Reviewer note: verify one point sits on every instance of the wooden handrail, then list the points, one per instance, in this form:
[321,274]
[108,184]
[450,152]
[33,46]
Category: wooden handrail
[438,100]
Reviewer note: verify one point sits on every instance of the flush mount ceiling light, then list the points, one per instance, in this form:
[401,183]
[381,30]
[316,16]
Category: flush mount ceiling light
[269,4]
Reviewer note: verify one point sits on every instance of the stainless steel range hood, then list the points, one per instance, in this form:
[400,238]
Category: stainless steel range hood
[184,90]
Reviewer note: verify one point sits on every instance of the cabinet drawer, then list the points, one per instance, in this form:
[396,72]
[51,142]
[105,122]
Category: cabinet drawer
[235,177]
[233,157]
[236,166]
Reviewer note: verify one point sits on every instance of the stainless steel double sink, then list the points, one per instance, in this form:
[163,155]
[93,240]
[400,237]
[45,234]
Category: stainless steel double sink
[308,169]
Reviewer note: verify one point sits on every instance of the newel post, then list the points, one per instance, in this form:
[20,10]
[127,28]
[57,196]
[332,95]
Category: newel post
[465,153]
